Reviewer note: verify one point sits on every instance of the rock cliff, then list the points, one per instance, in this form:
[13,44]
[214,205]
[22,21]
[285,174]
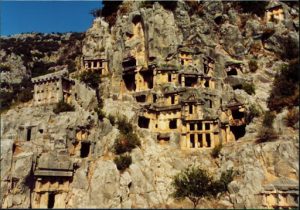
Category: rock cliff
[66,159]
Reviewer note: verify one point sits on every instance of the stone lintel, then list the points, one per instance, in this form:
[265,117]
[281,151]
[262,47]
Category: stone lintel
[53,173]
[90,58]
[166,108]
[144,92]
[167,68]
[51,76]
[163,135]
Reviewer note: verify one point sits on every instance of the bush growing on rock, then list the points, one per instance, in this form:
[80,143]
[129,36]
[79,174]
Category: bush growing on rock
[168,5]
[254,7]
[25,95]
[100,113]
[268,119]
[111,119]
[253,65]
[252,113]
[6,99]
[216,151]
[127,140]
[221,185]
[63,107]
[21,92]
[266,132]
[92,79]
[108,11]
[285,91]
[123,162]
[248,88]
[292,117]
[125,143]
[124,126]
[4,68]
[195,7]
[195,183]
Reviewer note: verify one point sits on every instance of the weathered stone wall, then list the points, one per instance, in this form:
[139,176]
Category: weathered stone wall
[96,181]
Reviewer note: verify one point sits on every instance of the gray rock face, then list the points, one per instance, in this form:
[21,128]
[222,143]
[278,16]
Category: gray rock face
[232,40]
[96,182]
[163,33]
[98,39]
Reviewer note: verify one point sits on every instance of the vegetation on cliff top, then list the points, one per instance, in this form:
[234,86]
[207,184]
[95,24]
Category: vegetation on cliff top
[285,91]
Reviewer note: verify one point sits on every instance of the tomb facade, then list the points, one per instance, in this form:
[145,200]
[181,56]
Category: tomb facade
[52,88]
[186,99]
[52,176]
[97,64]
[283,193]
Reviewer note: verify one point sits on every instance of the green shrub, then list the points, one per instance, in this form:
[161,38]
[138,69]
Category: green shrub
[169,5]
[290,49]
[195,183]
[108,11]
[226,178]
[100,113]
[63,107]
[4,68]
[248,88]
[125,143]
[253,66]
[25,95]
[195,7]
[253,7]
[292,117]
[112,119]
[285,91]
[124,126]
[41,68]
[216,151]
[266,134]
[221,185]
[127,139]
[6,99]
[123,162]
[146,4]
[253,112]
[268,119]
[92,79]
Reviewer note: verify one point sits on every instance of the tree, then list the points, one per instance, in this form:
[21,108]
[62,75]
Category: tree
[123,161]
[192,183]
[92,79]
[285,91]
[195,184]
[267,132]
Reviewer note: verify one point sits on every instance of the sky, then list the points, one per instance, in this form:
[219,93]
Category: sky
[45,16]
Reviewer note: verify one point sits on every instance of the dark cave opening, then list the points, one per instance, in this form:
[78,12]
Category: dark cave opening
[173,124]
[238,131]
[85,149]
[143,122]
[232,72]
[129,81]
[141,98]
[51,200]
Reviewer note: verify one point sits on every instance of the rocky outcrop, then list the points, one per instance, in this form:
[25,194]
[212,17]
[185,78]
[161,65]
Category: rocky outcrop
[35,141]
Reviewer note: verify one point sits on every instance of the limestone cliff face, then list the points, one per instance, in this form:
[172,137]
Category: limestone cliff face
[152,35]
